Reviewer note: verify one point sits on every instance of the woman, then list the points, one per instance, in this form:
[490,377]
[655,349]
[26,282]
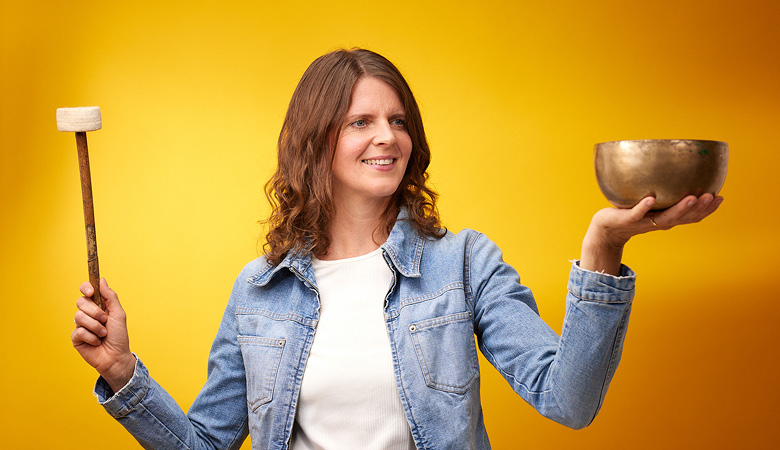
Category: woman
[356,328]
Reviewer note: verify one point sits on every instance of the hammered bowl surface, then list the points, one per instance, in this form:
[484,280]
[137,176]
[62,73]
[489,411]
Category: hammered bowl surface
[667,169]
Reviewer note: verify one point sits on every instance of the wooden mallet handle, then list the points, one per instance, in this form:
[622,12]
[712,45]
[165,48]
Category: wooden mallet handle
[82,120]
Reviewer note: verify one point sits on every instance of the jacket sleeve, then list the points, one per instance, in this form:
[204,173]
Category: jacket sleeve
[217,418]
[565,378]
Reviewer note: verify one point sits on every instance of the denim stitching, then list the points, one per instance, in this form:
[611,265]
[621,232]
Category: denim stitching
[611,367]
[165,427]
[276,344]
[583,297]
[420,358]
[418,251]
[467,270]
[299,369]
[238,435]
[242,311]
[453,389]
[392,329]
[438,321]
[432,323]
[447,287]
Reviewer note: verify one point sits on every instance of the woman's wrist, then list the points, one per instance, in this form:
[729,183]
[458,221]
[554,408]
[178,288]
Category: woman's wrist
[120,374]
[599,254]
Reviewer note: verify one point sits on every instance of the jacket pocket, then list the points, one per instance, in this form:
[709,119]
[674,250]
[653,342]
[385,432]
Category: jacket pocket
[261,364]
[446,351]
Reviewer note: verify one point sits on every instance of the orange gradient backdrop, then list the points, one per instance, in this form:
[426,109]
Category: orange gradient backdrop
[514,95]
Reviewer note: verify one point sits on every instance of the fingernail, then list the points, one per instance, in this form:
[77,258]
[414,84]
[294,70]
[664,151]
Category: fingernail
[707,201]
[103,332]
[103,318]
[691,202]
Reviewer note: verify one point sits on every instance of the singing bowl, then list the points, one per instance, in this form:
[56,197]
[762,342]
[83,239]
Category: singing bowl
[667,169]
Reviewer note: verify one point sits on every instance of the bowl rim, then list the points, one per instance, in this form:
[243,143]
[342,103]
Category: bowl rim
[662,140]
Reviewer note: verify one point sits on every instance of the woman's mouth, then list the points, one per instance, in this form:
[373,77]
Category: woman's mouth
[378,162]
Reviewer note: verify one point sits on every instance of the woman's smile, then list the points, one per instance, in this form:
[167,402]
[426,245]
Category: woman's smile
[378,162]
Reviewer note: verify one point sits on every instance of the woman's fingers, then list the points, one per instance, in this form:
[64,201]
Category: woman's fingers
[688,210]
[614,227]
[110,298]
[81,336]
[670,217]
[86,306]
[90,320]
[86,289]
[707,205]
[640,210]
[93,325]
[90,323]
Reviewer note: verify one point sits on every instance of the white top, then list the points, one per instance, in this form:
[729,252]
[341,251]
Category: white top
[349,398]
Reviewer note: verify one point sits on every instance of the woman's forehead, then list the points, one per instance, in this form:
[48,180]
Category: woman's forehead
[374,94]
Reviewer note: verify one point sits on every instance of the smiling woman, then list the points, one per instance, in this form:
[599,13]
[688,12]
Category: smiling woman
[356,329]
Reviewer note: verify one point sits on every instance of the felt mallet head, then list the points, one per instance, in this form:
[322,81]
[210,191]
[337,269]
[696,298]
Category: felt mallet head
[85,118]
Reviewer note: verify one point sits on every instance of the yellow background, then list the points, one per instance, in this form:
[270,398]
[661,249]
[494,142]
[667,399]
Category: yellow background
[514,95]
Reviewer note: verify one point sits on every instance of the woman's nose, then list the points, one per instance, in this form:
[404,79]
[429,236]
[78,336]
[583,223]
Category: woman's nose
[384,135]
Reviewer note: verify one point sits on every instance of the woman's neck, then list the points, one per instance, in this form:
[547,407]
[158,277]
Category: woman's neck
[356,231]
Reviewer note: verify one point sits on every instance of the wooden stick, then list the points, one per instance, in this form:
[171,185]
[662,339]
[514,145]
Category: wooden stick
[80,120]
[89,217]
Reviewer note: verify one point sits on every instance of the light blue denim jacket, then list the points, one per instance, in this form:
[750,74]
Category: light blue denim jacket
[444,293]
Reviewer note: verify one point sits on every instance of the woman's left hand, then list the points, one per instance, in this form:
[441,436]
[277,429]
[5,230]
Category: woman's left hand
[611,228]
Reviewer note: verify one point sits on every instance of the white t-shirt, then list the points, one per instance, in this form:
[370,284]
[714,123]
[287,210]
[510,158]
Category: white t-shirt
[349,398]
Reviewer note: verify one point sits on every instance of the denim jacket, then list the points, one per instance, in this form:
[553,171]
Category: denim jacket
[444,293]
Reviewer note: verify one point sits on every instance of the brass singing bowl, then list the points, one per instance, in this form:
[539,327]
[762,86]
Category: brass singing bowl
[667,169]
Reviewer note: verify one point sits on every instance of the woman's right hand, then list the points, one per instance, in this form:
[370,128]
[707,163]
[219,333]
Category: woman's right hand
[101,336]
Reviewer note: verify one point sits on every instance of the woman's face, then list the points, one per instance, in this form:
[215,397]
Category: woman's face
[373,147]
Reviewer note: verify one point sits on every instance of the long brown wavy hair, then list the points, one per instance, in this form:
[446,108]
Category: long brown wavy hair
[300,190]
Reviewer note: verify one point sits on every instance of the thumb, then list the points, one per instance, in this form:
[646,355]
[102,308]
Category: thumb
[110,297]
[639,211]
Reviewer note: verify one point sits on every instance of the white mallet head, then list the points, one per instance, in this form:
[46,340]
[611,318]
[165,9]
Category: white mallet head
[85,118]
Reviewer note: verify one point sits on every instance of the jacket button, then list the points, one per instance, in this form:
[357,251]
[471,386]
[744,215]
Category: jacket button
[412,328]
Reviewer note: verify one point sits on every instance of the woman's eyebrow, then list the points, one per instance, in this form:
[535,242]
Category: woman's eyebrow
[351,117]
[368,115]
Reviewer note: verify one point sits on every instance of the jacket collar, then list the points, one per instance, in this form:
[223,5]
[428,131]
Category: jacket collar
[404,246]
[403,249]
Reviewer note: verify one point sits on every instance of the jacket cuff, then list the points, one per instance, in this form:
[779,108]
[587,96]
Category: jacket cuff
[601,287]
[123,402]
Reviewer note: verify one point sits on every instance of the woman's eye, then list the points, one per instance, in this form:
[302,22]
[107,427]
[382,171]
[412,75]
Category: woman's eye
[398,123]
[360,123]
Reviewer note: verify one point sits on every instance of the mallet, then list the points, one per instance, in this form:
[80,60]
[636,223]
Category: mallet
[82,120]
